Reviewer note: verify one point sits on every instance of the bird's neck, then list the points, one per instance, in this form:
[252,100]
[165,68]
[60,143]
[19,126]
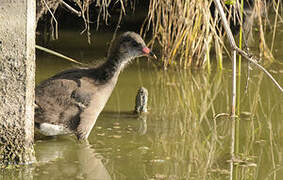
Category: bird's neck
[110,70]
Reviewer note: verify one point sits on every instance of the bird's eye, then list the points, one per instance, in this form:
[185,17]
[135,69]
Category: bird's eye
[135,44]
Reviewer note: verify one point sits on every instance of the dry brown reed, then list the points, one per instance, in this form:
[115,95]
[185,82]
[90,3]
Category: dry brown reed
[50,6]
[186,30]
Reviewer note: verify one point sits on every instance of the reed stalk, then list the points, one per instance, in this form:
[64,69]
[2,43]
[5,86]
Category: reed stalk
[237,122]
[275,25]
[58,54]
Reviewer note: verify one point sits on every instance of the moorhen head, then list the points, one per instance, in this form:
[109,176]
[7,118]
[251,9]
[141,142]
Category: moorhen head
[128,46]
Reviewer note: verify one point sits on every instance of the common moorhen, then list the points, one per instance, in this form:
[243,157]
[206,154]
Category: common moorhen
[71,101]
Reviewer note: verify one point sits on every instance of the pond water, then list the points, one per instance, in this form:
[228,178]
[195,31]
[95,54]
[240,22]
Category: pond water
[179,138]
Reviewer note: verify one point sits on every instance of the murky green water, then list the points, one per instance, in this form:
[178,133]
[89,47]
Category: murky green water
[179,138]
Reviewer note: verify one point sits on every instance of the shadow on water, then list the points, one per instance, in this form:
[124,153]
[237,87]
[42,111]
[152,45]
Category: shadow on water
[62,158]
[179,138]
[69,160]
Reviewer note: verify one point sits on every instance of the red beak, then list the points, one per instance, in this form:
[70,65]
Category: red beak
[147,51]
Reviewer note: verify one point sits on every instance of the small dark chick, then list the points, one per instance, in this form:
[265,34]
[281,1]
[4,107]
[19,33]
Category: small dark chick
[71,101]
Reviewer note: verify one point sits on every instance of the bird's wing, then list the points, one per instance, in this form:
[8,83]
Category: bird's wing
[54,102]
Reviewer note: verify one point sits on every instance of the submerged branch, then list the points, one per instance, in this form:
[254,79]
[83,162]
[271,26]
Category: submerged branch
[240,51]
[236,49]
[234,64]
[253,60]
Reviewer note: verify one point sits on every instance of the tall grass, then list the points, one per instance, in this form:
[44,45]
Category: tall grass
[186,30]
[179,29]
